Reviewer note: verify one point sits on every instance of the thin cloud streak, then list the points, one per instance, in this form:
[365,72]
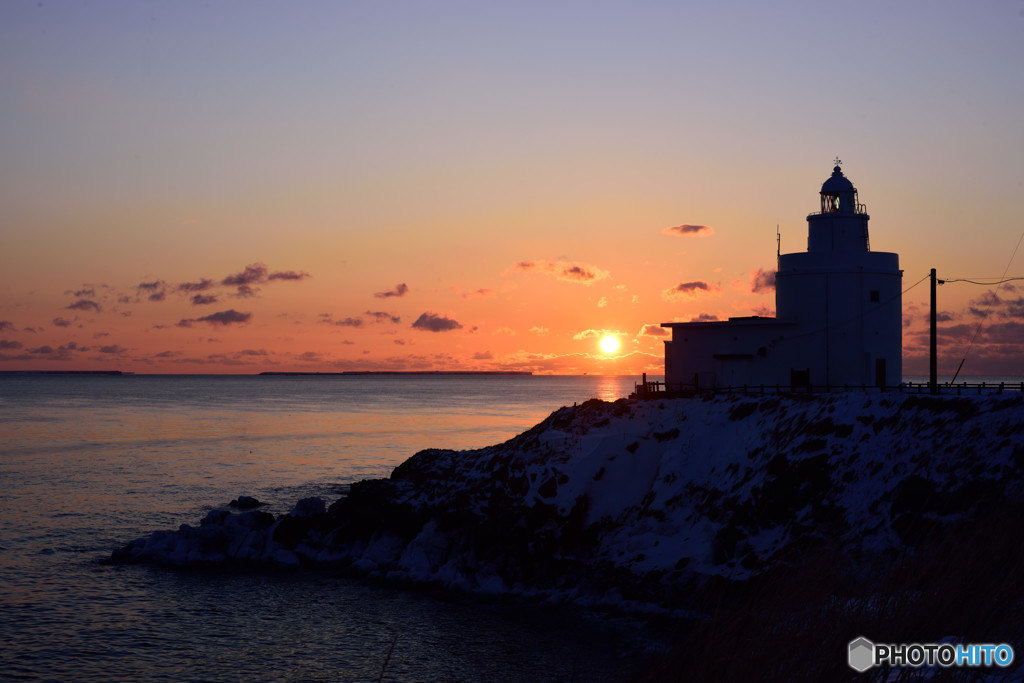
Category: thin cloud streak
[401,289]
[687,230]
[223,319]
[567,271]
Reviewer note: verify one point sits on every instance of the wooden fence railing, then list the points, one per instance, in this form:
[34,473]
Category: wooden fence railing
[666,390]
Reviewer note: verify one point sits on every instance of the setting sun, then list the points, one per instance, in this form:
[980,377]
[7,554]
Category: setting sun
[609,344]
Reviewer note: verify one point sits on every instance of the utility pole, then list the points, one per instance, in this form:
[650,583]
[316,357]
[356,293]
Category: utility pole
[933,374]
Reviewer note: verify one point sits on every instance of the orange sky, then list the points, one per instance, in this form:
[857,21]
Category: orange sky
[217,190]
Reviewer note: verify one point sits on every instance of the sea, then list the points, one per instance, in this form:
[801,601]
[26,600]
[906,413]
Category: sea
[90,462]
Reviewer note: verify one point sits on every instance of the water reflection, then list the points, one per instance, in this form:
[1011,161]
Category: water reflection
[614,387]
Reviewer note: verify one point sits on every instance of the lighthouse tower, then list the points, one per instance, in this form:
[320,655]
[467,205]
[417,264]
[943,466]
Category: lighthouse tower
[843,296]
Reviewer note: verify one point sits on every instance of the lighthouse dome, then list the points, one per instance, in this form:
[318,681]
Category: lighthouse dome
[837,183]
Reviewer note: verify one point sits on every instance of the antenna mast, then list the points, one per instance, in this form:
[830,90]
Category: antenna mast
[778,246]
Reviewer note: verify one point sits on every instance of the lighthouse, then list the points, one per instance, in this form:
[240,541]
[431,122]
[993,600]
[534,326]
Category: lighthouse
[838,314]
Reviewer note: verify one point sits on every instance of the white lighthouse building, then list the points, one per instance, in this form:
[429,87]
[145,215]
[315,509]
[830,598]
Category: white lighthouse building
[838,314]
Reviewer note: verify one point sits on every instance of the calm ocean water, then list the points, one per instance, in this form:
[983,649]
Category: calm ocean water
[88,463]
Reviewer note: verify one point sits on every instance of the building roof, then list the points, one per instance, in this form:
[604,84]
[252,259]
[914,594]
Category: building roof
[732,322]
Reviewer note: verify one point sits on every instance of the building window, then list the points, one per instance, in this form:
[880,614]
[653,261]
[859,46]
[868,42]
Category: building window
[874,296]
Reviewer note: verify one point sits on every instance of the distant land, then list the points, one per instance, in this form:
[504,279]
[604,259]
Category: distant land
[406,372]
[65,372]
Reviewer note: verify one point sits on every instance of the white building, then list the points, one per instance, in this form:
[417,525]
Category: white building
[838,310]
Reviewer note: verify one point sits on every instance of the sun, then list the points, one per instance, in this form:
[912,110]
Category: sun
[609,344]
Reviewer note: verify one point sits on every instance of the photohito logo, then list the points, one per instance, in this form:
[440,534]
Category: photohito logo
[863,654]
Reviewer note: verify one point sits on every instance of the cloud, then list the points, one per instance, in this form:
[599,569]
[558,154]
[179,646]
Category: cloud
[254,273]
[580,273]
[470,295]
[567,271]
[483,355]
[432,322]
[991,303]
[1009,333]
[204,299]
[201,286]
[688,290]
[113,349]
[539,331]
[6,325]
[650,330]
[1014,309]
[401,289]
[258,274]
[224,318]
[687,230]
[762,281]
[5,344]
[86,291]
[288,275]
[155,291]
[62,352]
[85,305]
[382,317]
[373,316]
[347,322]
[704,318]
[61,322]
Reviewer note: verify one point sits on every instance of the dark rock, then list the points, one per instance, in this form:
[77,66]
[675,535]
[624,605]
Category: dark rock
[743,410]
[548,489]
[245,503]
[668,435]
[309,507]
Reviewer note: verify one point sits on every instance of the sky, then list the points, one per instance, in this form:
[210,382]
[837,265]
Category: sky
[238,187]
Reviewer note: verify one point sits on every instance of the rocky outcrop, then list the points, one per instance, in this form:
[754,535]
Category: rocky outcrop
[637,502]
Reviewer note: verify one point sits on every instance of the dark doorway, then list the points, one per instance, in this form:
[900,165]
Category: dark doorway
[799,379]
[880,373]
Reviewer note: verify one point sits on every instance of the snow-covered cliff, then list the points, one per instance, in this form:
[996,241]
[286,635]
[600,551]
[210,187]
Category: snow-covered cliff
[638,501]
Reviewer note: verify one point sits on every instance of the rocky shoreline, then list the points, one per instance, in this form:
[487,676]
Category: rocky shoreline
[638,504]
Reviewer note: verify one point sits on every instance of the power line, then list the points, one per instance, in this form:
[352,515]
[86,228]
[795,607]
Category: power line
[1010,262]
[914,285]
[984,284]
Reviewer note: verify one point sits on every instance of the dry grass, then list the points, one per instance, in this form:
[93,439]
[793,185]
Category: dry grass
[795,625]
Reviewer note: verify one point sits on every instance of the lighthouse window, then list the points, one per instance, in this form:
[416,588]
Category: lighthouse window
[874,296]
